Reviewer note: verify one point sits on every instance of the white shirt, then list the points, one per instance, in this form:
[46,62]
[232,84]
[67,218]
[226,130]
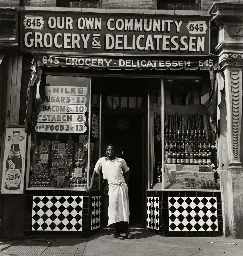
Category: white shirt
[112,169]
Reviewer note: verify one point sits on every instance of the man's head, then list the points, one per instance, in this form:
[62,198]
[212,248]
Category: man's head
[110,151]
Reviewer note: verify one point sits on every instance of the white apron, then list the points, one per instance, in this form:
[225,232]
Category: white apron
[113,171]
[118,209]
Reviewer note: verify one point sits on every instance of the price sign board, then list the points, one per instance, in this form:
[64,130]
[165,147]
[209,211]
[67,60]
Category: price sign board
[64,109]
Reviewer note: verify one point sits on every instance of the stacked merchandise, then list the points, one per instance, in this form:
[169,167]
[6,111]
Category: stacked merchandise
[39,169]
[59,164]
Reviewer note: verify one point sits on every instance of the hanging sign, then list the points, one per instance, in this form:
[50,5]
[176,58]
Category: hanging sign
[14,161]
[61,127]
[53,117]
[64,109]
[95,33]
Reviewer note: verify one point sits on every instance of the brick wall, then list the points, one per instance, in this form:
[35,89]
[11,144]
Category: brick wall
[41,3]
[9,3]
[129,4]
[207,4]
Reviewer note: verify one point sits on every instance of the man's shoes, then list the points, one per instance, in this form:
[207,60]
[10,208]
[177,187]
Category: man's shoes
[127,236]
[117,235]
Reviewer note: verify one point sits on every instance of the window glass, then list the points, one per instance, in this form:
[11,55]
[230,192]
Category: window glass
[63,148]
[181,125]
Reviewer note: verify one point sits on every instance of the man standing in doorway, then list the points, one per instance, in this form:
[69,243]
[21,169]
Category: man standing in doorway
[115,171]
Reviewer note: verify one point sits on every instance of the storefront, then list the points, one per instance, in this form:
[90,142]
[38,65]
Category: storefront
[145,83]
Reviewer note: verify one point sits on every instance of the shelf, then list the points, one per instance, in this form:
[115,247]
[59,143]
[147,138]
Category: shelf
[51,188]
[185,190]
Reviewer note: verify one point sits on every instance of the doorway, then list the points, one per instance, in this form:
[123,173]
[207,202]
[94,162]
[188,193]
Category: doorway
[124,127]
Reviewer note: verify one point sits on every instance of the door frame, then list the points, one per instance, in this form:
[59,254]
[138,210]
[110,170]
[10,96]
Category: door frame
[142,112]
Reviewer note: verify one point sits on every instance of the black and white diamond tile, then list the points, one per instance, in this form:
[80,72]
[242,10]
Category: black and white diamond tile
[57,213]
[193,214]
[153,211]
[95,212]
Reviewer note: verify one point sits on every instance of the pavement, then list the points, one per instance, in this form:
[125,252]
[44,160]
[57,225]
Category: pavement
[102,243]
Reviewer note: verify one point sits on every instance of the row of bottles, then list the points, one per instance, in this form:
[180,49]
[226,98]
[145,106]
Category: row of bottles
[198,158]
[186,140]
[184,136]
[183,123]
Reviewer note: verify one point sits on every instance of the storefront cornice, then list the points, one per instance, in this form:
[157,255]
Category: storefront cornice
[229,46]
[118,11]
[226,11]
[230,58]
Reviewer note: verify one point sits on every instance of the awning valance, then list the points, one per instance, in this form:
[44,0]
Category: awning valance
[129,62]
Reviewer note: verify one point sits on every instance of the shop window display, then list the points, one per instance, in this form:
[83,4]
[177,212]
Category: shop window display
[62,157]
[189,144]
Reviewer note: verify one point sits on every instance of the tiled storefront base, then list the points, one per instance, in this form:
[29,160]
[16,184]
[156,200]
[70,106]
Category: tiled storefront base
[185,213]
[62,213]
[171,213]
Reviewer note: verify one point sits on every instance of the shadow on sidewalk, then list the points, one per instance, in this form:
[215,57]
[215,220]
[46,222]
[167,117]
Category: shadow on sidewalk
[135,234]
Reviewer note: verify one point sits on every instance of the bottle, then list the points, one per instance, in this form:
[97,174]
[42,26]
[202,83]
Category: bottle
[187,158]
[200,158]
[191,158]
[183,159]
[166,146]
[178,158]
[169,158]
[203,136]
[170,146]
[166,157]
[204,158]
[183,147]
[187,135]
[170,134]
[195,158]
[174,160]
[209,158]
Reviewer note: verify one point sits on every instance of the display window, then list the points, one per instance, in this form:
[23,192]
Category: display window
[182,144]
[64,141]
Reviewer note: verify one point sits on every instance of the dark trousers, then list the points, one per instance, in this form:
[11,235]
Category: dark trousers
[121,227]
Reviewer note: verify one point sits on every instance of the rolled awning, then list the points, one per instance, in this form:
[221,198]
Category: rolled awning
[1,58]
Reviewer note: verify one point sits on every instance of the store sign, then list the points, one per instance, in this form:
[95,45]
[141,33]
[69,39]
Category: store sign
[14,161]
[63,110]
[78,33]
[203,63]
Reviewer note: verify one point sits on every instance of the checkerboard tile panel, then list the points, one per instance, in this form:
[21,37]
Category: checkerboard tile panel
[57,213]
[153,213]
[95,212]
[193,214]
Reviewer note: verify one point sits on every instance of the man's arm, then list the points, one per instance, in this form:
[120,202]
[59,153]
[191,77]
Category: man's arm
[126,177]
[125,171]
[94,176]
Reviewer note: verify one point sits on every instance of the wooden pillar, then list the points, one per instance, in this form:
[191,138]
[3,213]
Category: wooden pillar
[14,75]
[233,95]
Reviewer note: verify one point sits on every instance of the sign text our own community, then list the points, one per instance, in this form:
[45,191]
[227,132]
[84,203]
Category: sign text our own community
[113,33]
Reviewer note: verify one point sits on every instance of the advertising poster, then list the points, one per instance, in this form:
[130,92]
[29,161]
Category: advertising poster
[14,161]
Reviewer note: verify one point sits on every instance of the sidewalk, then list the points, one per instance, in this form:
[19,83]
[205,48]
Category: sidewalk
[143,243]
